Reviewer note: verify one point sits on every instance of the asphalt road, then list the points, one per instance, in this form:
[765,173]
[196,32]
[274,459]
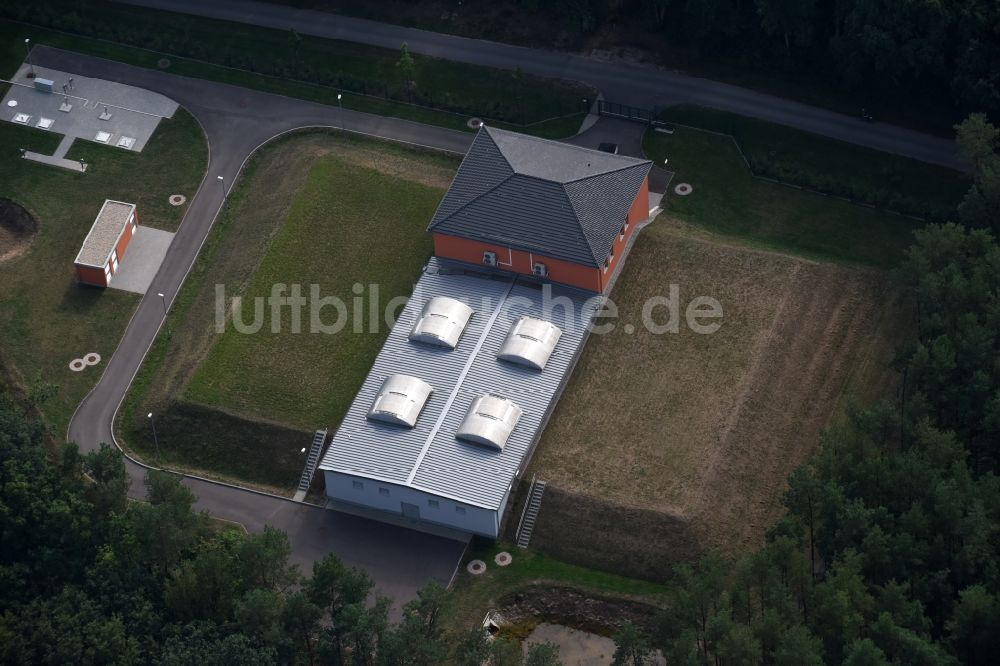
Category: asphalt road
[627,83]
[236,122]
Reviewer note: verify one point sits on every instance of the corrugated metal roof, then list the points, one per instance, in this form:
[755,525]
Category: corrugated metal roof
[104,233]
[428,456]
[556,199]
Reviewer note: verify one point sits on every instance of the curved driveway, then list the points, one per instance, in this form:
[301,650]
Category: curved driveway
[638,85]
[237,121]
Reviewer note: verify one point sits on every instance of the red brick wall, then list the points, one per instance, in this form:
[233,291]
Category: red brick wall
[564,272]
[518,261]
[125,239]
[90,275]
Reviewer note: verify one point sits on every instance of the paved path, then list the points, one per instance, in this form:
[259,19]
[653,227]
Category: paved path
[236,121]
[620,82]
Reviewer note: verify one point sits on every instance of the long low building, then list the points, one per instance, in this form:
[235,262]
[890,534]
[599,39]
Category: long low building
[447,468]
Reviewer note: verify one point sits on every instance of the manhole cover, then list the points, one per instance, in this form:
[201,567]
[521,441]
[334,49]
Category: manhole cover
[177,199]
[475,123]
[683,189]
[163,63]
[12,103]
[503,559]
[476,567]
[77,364]
[93,358]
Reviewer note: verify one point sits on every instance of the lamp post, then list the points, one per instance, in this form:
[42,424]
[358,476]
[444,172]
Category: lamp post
[163,301]
[156,441]
[222,181]
[341,105]
[31,66]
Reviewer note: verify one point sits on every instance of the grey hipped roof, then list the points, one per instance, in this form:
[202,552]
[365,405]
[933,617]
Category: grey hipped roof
[559,200]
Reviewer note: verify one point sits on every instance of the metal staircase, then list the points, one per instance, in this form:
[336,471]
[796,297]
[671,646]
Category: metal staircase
[319,439]
[530,513]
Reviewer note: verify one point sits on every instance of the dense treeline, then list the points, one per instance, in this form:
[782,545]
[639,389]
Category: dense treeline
[888,553]
[87,577]
[882,49]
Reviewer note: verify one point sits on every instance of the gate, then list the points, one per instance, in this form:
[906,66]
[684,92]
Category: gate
[626,112]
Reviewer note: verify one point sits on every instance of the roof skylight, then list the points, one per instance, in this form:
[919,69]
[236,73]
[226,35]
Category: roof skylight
[441,322]
[530,342]
[489,421]
[400,400]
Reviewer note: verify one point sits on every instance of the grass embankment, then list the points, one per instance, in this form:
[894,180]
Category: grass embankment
[46,318]
[308,68]
[728,200]
[313,208]
[835,167]
[472,596]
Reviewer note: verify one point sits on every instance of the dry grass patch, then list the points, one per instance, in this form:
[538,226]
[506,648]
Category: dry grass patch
[706,428]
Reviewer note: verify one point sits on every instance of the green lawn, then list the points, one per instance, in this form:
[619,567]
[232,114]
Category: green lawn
[729,201]
[312,208]
[835,167]
[446,94]
[46,318]
[347,226]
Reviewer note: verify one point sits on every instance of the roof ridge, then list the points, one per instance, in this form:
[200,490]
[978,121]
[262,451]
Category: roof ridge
[576,213]
[648,163]
[471,201]
[579,224]
[561,144]
[434,218]
[497,146]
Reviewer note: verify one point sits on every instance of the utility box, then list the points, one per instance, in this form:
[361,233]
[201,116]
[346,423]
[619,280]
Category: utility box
[45,85]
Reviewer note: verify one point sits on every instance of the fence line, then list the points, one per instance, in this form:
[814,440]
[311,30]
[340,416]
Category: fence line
[804,188]
[276,77]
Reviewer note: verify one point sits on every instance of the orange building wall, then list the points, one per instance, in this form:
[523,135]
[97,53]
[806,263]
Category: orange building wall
[563,272]
[518,261]
[90,275]
[123,241]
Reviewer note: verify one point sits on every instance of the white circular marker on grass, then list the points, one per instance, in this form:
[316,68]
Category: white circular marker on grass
[683,189]
[177,199]
[78,364]
[474,123]
[503,559]
[476,567]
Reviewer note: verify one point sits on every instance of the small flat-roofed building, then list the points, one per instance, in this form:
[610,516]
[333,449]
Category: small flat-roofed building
[104,247]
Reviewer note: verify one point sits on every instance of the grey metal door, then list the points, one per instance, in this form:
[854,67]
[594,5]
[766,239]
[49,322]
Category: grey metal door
[411,511]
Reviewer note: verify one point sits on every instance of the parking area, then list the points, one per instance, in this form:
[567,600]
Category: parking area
[80,107]
[140,264]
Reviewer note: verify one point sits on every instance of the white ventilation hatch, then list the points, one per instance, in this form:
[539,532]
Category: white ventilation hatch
[442,321]
[400,400]
[490,421]
[530,342]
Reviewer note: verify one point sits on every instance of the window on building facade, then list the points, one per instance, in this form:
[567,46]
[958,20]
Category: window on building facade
[358,484]
[383,491]
[433,503]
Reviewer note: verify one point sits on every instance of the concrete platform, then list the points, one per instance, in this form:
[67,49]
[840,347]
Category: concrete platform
[125,116]
[142,260]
